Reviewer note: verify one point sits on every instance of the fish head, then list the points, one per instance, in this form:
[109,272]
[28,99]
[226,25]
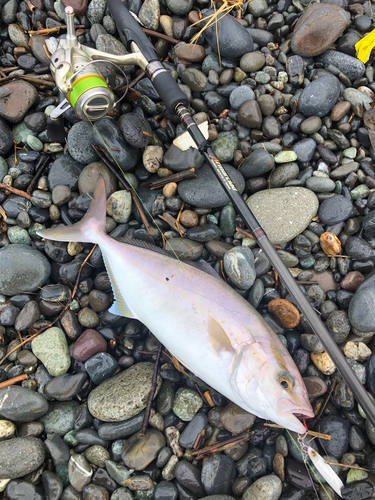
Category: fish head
[270,385]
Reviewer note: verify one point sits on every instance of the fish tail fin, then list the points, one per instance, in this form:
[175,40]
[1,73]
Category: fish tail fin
[90,228]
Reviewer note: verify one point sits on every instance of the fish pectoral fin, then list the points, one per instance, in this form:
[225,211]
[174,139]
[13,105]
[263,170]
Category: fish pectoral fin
[218,338]
[119,307]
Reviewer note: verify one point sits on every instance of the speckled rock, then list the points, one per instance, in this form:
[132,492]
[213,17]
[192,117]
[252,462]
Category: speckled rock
[51,348]
[186,404]
[20,456]
[296,207]
[124,395]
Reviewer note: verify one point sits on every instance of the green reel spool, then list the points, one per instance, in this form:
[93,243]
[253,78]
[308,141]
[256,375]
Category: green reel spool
[91,97]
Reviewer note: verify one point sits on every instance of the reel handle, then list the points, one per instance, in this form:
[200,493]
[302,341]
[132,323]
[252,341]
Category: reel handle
[167,88]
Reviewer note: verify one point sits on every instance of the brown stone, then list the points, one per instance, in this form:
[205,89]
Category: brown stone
[339,110]
[325,281]
[286,312]
[218,248]
[250,115]
[330,244]
[79,6]
[318,28]
[323,362]
[37,46]
[279,466]
[189,218]
[16,98]
[88,344]
[315,386]
[352,281]
[235,419]
[190,52]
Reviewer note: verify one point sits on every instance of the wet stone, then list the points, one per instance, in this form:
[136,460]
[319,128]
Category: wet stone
[80,138]
[258,163]
[21,96]
[351,66]
[360,490]
[100,367]
[20,456]
[192,430]
[21,405]
[235,419]
[189,476]
[335,426]
[319,97]
[334,210]
[123,395]
[218,472]
[178,160]
[138,452]
[264,488]
[22,489]
[59,418]
[361,303]
[66,387]
[240,268]
[80,472]
[225,145]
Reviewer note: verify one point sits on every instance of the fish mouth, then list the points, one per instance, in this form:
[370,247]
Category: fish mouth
[304,415]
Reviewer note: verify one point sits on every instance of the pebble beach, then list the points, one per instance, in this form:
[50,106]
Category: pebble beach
[290,116]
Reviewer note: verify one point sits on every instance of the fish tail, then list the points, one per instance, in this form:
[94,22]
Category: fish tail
[91,228]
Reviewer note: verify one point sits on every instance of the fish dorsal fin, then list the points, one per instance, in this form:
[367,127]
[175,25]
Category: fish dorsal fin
[218,338]
[143,244]
[119,307]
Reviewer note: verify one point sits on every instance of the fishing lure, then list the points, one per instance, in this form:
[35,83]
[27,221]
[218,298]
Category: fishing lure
[325,470]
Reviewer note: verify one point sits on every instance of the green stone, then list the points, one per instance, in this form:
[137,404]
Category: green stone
[360,192]
[227,224]
[225,145]
[59,418]
[18,36]
[71,438]
[338,187]
[145,494]
[34,143]
[168,471]
[20,132]
[118,472]
[283,340]
[62,472]
[147,105]
[96,455]
[210,62]
[239,75]
[285,157]
[308,262]
[116,449]
[350,153]
[122,494]
[33,230]
[194,79]
[3,168]
[88,318]
[51,348]
[18,235]
[119,206]
[356,475]
[186,404]
[74,306]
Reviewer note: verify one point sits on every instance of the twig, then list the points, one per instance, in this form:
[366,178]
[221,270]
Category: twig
[327,437]
[222,445]
[169,219]
[40,168]
[161,36]
[348,466]
[146,418]
[123,181]
[328,397]
[13,381]
[59,316]
[9,70]
[201,393]
[137,79]
[186,174]
[31,79]
[57,29]
[15,191]
[249,235]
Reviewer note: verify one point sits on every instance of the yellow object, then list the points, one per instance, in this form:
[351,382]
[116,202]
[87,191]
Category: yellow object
[365,46]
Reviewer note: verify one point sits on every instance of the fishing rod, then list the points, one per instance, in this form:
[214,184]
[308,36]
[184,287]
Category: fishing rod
[76,75]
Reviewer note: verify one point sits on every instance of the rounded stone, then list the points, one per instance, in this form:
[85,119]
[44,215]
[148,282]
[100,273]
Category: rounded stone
[319,97]
[124,395]
[296,207]
[239,266]
[265,488]
[286,312]
[359,307]
[89,177]
[21,405]
[80,138]
[119,206]
[23,269]
[186,404]
[20,456]
[51,348]
[138,452]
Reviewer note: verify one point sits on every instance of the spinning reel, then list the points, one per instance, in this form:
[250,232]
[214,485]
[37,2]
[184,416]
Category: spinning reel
[75,70]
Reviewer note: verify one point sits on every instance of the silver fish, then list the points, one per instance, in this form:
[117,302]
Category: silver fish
[200,319]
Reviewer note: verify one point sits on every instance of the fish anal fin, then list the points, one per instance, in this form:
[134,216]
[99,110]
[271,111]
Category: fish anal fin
[218,338]
[119,307]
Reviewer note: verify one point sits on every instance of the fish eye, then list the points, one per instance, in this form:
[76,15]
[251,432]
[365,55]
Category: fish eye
[286,381]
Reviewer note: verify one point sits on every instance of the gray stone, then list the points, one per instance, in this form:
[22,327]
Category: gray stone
[178,160]
[265,488]
[60,417]
[296,207]
[23,269]
[124,395]
[351,66]
[319,97]
[21,405]
[20,456]
[80,138]
[362,310]
[239,266]
[258,163]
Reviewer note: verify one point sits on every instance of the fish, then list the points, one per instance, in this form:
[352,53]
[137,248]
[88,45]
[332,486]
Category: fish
[199,318]
[325,470]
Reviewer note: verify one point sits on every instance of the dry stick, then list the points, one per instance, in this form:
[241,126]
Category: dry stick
[125,183]
[60,315]
[146,418]
[161,36]
[39,171]
[327,437]
[48,31]
[249,235]
[186,174]
[348,466]
[13,381]
[222,445]
[15,191]
[137,79]
[9,70]
[328,397]
[169,219]
[31,79]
